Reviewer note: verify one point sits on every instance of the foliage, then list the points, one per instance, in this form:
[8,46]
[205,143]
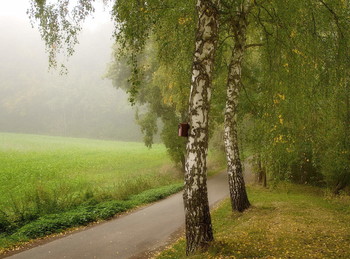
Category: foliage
[297,103]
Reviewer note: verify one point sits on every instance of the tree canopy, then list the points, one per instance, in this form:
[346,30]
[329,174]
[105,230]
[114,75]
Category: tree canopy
[295,101]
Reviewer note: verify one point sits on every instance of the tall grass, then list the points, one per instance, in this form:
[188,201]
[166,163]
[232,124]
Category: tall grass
[40,175]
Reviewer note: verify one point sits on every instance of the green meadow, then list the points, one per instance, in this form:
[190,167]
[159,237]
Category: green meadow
[44,175]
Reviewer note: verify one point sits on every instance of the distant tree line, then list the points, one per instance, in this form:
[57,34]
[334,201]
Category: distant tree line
[79,104]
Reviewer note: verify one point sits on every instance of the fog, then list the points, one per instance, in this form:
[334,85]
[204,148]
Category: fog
[80,104]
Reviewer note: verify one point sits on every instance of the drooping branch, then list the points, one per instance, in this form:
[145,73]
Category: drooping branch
[59,25]
[255,108]
[254,45]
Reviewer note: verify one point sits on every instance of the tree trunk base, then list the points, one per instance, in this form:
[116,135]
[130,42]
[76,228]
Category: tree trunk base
[238,194]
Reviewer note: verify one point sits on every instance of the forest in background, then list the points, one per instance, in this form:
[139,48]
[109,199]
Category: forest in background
[79,104]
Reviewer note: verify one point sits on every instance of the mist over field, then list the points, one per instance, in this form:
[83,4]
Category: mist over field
[80,104]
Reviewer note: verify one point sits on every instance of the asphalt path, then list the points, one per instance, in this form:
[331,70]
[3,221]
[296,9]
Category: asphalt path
[129,236]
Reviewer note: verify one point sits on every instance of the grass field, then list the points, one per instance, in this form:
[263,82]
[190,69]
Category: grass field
[289,221]
[42,175]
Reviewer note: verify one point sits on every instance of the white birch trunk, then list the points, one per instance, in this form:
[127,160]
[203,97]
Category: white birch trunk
[198,222]
[238,194]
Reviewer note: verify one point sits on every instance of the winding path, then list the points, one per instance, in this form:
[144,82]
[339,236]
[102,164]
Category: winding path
[130,236]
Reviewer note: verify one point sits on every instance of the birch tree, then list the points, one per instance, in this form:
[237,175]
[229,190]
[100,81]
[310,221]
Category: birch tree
[198,222]
[238,24]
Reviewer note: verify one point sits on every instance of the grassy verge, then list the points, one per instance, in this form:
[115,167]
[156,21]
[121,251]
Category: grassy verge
[82,215]
[288,221]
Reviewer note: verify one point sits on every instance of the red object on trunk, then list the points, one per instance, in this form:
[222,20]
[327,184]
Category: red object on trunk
[183,129]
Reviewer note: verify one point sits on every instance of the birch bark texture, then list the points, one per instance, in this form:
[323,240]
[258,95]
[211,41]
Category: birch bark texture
[238,194]
[198,221]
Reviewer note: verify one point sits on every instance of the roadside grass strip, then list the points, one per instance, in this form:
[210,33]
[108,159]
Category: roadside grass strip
[289,221]
[82,215]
